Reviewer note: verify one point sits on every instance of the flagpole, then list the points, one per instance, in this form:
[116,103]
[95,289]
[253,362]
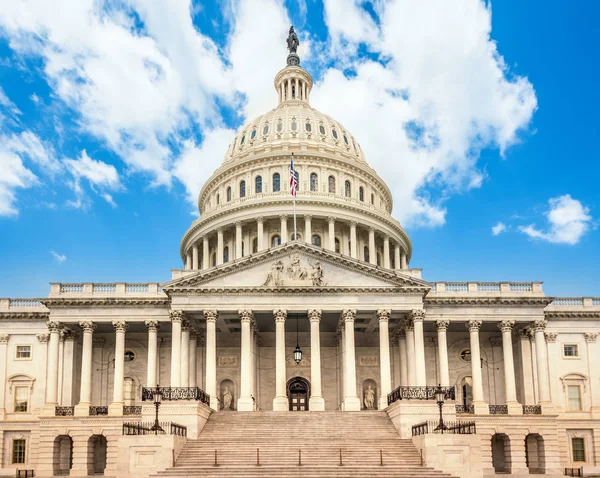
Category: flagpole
[295,233]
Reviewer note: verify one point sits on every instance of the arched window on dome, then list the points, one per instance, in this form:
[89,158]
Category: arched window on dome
[379,259]
[254,245]
[366,257]
[218,198]
[229,194]
[372,198]
[347,189]
[334,133]
[243,244]
[296,237]
[225,254]
[316,240]
[294,125]
[258,185]
[322,129]
[266,129]
[346,140]
[361,193]
[242,189]
[276,183]
[213,259]
[308,127]
[331,182]
[279,126]
[275,240]
[253,134]
[314,182]
[337,245]
[243,139]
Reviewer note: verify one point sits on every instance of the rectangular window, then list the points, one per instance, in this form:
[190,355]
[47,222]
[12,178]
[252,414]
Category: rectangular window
[571,350]
[574,392]
[18,452]
[23,351]
[21,399]
[578,445]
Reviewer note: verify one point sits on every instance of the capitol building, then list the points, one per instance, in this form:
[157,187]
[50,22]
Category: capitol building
[299,341]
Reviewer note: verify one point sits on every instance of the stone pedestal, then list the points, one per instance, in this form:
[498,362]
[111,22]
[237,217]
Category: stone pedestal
[352,404]
[514,408]
[316,404]
[406,413]
[245,404]
[280,404]
[189,413]
[82,410]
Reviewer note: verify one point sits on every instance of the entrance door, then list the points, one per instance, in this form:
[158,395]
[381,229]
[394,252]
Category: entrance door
[298,393]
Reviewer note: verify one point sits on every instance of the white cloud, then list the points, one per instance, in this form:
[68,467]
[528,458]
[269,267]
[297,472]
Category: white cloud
[499,228]
[568,220]
[14,176]
[60,258]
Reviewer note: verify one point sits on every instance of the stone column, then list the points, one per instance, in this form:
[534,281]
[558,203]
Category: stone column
[478,400]
[211,357]
[283,228]
[253,353]
[280,402]
[195,264]
[219,246]
[316,401]
[372,250]
[510,387]
[386,251]
[410,352]
[541,355]
[353,247]
[82,409]
[4,338]
[308,228]
[383,315]
[238,240]
[152,366]
[116,407]
[245,402]
[184,372]
[343,364]
[52,368]
[397,256]
[417,316]
[403,358]
[192,381]
[188,260]
[351,400]
[205,253]
[176,322]
[442,328]
[403,261]
[331,224]
[260,234]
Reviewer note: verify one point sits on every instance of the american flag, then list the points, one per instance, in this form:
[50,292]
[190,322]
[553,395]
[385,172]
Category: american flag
[293,178]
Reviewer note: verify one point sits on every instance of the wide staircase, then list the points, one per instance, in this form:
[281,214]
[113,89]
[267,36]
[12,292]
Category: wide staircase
[307,444]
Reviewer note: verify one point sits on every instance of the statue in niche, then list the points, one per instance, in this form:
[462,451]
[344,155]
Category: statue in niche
[295,271]
[275,277]
[316,275]
[369,398]
[292,40]
[227,398]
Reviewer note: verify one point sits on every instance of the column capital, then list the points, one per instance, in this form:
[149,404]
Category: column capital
[98,341]
[590,337]
[220,231]
[495,341]
[314,315]
[4,338]
[348,315]
[331,219]
[193,334]
[185,325]
[383,315]
[442,324]
[279,315]
[550,336]
[210,315]
[539,325]
[53,326]
[409,324]
[152,325]
[176,315]
[238,223]
[87,325]
[371,230]
[246,315]
[353,223]
[401,334]
[119,325]
[307,216]
[260,219]
[417,315]
[283,217]
[506,325]
[164,341]
[41,338]
[68,334]
[473,325]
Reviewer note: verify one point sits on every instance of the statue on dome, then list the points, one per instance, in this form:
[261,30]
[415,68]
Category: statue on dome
[292,40]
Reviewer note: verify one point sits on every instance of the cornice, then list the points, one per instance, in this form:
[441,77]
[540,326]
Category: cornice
[106,302]
[572,314]
[8,316]
[487,301]
[279,291]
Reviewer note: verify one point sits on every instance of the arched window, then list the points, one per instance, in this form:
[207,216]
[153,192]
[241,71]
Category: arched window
[218,198]
[379,260]
[346,140]
[347,189]
[294,125]
[275,240]
[308,127]
[372,198]
[253,134]
[243,248]
[296,236]
[366,257]
[334,133]
[279,126]
[258,185]
[314,182]
[226,254]
[316,240]
[229,194]
[361,193]
[337,245]
[331,181]
[322,129]
[243,189]
[254,245]
[266,129]
[243,139]
[213,259]
[276,183]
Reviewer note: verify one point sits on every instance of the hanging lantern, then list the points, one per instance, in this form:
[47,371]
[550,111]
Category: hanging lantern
[298,354]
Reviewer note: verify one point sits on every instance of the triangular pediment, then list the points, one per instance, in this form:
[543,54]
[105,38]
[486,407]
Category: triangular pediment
[296,265]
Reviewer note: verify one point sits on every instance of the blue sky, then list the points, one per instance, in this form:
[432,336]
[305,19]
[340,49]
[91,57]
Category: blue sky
[480,117]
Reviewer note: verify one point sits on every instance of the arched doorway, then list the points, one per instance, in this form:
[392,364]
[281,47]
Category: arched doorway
[63,454]
[501,453]
[535,453]
[298,392]
[97,450]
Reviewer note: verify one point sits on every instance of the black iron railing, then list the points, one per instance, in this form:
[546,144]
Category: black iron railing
[469,409]
[25,473]
[132,410]
[532,409]
[498,409]
[573,471]
[452,428]
[64,411]
[176,393]
[419,393]
[101,410]
[146,428]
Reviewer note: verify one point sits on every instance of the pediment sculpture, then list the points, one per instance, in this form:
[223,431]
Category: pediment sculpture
[295,274]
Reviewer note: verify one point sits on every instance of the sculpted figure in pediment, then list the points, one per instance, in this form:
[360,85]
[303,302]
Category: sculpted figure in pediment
[316,275]
[275,277]
[295,271]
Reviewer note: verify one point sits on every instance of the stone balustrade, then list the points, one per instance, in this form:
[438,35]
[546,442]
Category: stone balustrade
[116,289]
[22,305]
[487,288]
[575,303]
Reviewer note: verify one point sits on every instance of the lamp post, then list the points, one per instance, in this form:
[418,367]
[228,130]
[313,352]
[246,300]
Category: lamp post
[439,395]
[157,395]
